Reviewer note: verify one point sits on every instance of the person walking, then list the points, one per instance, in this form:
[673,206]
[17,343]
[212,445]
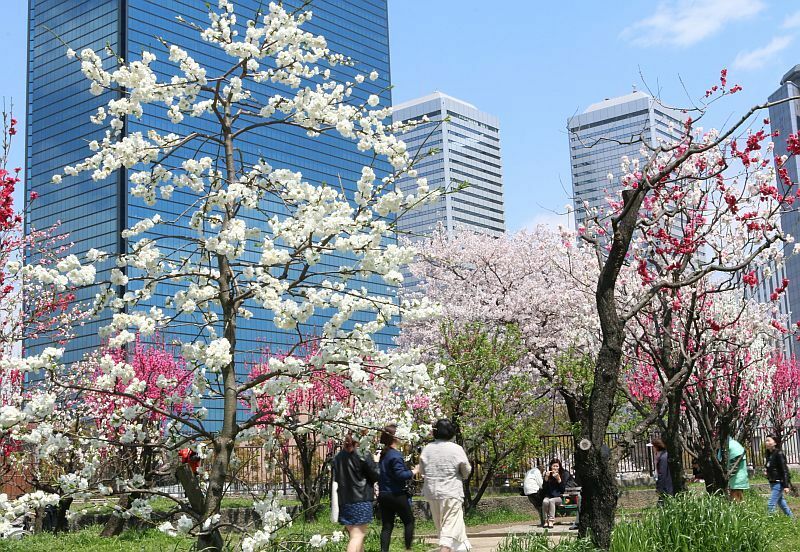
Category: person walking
[444,466]
[554,485]
[663,476]
[393,496]
[778,475]
[737,466]
[355,474]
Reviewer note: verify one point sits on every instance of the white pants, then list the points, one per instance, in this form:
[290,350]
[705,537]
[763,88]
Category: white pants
[549,507]
[448,517]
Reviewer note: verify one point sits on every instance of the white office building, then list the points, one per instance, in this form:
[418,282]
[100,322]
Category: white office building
[604,133]
[466,142]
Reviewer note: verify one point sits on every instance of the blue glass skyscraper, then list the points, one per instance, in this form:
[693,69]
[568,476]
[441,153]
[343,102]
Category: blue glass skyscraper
[59,105]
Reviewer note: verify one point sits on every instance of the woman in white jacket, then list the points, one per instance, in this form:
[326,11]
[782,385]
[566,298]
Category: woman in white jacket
[531,486]
[444,466]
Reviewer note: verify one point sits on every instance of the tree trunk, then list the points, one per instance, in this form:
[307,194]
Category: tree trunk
[61,523]
[309,499]
[599,498]
[116,523]
[211,541]
[674,442]
[38,522]
[474,499]
[595,467]
[716,482]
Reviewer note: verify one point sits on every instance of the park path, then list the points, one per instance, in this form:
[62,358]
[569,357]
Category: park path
[487,538]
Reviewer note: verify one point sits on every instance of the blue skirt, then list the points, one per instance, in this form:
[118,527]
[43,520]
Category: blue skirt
[357,513]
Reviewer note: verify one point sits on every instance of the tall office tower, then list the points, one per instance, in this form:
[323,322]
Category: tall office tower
[771,278]
[785,119]
[59,105]
[467,151]
[604,133]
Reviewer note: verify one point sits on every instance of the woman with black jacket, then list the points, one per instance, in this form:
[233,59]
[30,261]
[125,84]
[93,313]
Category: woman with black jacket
[554,486]
[778,476]
[355,473]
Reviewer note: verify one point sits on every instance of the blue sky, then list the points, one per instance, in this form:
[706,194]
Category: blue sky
[534,63]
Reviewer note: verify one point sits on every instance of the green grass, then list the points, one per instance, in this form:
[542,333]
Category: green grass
[89,539]
[151,540]
[532,542]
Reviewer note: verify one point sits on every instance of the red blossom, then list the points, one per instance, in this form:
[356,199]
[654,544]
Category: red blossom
[750,278]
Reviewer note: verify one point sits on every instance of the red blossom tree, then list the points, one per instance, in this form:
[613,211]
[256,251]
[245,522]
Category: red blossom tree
[701,205]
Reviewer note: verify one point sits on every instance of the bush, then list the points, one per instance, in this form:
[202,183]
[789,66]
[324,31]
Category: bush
[696,523]
[684,524]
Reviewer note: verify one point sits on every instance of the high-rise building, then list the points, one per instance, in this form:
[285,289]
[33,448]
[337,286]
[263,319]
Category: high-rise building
[604,133]
[466,151]
[59,105]
[785,119]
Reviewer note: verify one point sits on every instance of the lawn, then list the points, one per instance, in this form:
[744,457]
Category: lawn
[153,540]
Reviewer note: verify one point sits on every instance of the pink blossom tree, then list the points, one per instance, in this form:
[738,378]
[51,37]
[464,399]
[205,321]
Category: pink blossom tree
[782,397]
[299,446]
[106,437]
[131,436]
[707,371]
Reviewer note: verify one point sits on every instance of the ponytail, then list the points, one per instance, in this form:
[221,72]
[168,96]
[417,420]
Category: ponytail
[387,438]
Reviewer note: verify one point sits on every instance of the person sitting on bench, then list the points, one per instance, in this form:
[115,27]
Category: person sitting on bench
[532,486]
[555,483]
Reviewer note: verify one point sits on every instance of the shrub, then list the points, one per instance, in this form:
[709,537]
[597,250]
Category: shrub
[684,524]
[696,523]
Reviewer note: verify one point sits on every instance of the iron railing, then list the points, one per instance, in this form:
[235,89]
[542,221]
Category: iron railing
[259,470]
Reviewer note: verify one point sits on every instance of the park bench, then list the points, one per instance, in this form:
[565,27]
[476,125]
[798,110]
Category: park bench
[569,501]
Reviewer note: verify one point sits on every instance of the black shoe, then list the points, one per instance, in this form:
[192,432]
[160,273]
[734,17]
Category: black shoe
[573,527]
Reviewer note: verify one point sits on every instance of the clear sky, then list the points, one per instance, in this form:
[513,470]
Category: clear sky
[535,63]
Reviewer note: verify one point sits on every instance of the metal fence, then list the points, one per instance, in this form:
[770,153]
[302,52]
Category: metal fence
[639,459]
[258,470]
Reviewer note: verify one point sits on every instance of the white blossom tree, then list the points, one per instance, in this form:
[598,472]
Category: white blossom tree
[254,237]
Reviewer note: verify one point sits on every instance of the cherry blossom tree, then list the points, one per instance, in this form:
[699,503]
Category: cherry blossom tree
[705,204]
[517,321]
[539,281]
[256,236]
